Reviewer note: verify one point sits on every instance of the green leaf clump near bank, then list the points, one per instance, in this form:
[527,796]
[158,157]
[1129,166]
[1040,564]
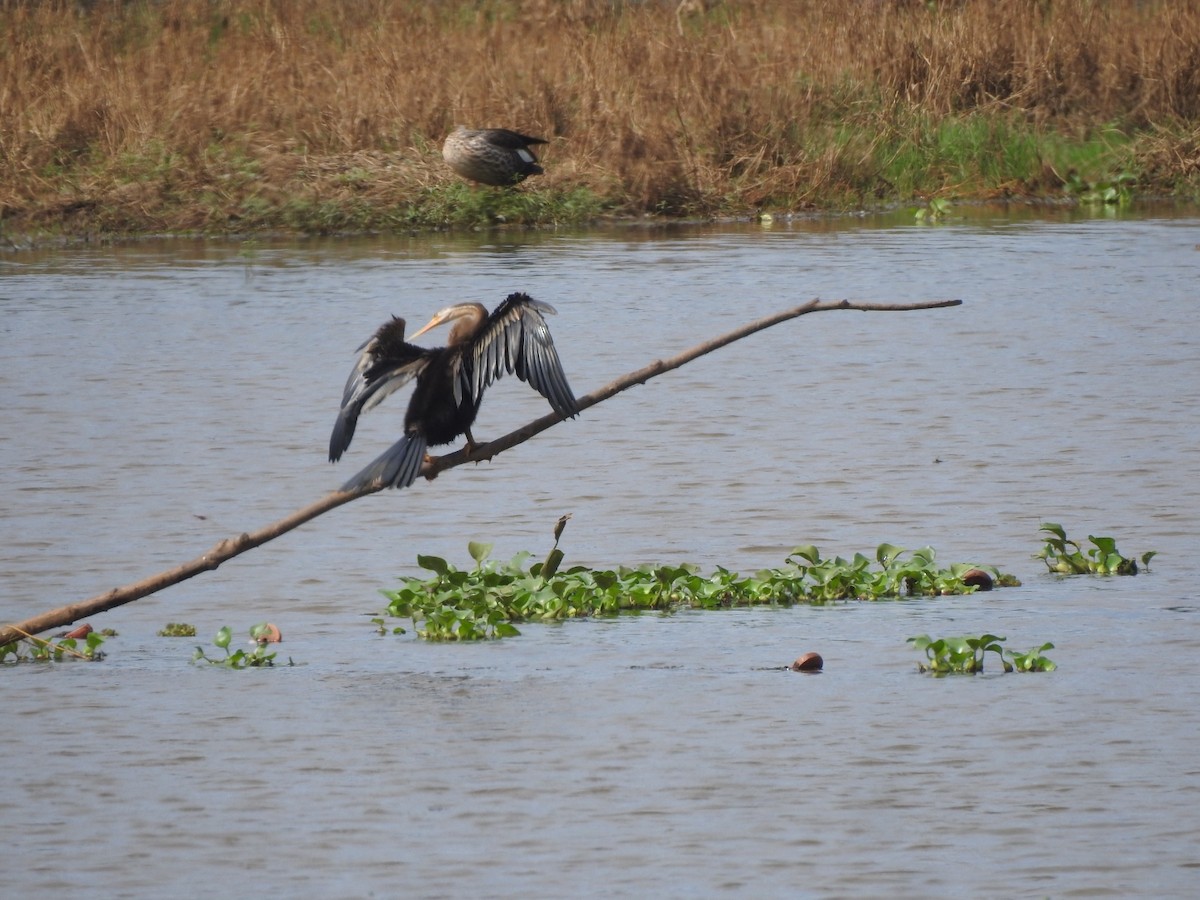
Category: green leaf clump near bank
[1066,557]
[487,601]
[965,655]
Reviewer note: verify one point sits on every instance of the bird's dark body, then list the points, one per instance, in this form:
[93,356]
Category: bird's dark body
[433,411]
[450,380]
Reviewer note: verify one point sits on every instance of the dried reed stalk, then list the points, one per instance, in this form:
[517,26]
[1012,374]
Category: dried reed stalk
[203,111]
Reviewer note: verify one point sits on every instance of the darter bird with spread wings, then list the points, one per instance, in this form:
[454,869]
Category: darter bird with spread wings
[450,380]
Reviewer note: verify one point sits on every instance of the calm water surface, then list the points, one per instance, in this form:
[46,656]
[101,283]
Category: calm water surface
[162,397]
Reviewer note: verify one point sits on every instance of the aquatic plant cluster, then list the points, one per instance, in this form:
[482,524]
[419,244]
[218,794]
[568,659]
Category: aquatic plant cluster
[177,629]
[245,115]
[489,600]
[964,655]
[261,635]
[1066,557]
[36,649]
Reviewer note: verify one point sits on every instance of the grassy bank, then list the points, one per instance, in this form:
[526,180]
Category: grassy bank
[242,115]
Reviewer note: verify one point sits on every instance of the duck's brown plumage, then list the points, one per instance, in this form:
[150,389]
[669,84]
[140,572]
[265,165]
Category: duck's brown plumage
[450,380]
[494,156]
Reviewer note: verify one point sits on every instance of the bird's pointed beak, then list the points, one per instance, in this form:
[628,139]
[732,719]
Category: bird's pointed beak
[442,317]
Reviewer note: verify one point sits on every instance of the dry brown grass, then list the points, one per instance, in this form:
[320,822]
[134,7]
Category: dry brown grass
[189,115]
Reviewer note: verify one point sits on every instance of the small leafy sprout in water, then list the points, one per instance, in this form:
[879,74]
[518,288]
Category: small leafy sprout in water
[934,211]
[1109,192]
[965,655]
[380,624]
[241,659]
[1066,557]
[36,649]
[178,629]
[1033,661]
[489,600]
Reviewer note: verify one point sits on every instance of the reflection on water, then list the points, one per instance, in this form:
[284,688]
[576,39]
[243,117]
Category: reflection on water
[161,397]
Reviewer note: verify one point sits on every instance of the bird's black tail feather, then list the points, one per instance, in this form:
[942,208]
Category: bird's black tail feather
[343,432]
[396,467]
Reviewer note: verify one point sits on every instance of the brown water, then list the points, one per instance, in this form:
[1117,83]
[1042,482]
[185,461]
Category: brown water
[159,398]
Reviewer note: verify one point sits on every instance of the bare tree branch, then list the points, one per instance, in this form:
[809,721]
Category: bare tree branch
[235,546]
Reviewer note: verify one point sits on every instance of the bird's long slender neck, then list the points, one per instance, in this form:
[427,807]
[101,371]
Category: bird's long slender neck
[467,324]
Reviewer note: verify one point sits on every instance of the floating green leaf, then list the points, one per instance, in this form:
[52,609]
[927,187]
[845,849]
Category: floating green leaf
[433,564]
[478,550]
[806,552]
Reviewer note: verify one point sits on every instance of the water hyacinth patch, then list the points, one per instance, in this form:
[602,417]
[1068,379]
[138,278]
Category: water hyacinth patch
[965,655]
[488,600]
[1066,557]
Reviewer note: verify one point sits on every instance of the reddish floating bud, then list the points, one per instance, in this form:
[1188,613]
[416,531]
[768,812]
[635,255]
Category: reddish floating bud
[809,662]
[978,579]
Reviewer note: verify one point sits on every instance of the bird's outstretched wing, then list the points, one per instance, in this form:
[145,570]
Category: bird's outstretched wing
[515,338]
[385,364]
